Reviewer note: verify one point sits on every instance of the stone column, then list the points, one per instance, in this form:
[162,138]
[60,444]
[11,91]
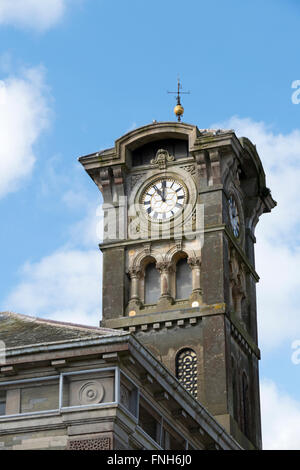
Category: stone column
[135,275]
[165,269]
[195,265]
[134,302]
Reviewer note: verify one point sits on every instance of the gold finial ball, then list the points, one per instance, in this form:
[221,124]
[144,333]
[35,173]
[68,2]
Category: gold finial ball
[178,110]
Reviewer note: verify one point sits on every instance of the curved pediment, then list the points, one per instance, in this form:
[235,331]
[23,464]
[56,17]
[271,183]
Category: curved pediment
[125,145]
[161,133]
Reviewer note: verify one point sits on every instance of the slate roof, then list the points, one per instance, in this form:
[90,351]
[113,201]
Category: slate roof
[21,330]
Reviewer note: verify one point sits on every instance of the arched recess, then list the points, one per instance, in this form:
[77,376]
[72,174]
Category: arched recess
[125,145]
[235,395]
[152,288]
[184,282]
[186,369]
[186,278]
[245,411]
[138,272]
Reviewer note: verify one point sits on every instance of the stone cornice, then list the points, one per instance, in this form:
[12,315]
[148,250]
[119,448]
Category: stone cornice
[166,318]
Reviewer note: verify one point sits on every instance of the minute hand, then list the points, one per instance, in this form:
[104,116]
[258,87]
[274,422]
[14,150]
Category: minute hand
[164,191]
[158,191]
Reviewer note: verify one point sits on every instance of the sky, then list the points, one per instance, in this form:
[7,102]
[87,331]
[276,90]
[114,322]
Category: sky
[77,74]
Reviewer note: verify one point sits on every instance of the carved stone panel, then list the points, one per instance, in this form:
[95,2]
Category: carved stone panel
[100,443]
[89,391]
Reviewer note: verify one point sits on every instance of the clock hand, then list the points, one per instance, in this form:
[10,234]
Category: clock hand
[158,191]
[164,191]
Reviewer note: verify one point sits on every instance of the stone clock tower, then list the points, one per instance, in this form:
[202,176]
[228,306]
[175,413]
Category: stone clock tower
[181,205]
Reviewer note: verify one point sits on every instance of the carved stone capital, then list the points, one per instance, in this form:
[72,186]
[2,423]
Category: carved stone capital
[135,272]
[165,267]
[194,262]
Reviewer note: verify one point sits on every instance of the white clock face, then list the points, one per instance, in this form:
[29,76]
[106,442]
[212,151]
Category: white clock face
[234,216]
[164,199]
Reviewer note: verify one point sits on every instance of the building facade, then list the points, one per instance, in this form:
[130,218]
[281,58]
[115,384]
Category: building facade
[70,387]
[181,206]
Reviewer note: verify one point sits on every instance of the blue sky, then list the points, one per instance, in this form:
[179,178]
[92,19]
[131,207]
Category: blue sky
[77,74]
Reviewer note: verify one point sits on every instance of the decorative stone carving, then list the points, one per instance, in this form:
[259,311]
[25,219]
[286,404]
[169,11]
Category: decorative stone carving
[135,271]
[100,443]
[162,158]
[124,396]
[118,175]
[178,244]
[105,177]
[165,266]
[237,283]
[194,262]
[189,168]
[91,393]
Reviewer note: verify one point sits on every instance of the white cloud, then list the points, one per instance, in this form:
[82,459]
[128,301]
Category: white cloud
[88,231]
[280,419]
[280,155]
[37,14]
[24,114]
[278,239]
[63,286]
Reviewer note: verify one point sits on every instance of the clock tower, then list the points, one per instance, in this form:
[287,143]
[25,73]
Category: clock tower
[180,209]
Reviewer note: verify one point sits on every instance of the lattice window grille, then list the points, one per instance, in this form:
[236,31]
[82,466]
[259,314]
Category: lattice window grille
[187,370]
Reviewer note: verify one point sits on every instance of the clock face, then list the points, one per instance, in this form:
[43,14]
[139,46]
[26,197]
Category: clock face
[234,216]
[164,199]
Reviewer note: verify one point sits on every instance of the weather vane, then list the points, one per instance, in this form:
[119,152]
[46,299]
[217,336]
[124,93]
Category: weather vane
[179,110]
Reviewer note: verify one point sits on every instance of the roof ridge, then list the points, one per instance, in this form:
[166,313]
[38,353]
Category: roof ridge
[57,322]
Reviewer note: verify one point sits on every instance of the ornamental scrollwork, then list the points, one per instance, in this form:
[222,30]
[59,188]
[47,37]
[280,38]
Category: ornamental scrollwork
[162,158]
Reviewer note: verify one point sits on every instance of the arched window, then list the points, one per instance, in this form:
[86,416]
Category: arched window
[183,279]
[234,390]
[152,284]
[186,370]
[245,405]
[144,154]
